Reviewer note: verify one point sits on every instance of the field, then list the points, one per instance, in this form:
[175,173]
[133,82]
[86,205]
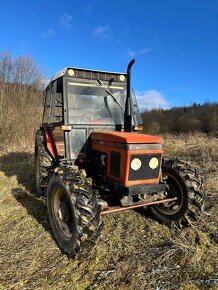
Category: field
[135,252]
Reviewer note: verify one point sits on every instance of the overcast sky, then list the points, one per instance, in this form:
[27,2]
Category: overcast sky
[175,43]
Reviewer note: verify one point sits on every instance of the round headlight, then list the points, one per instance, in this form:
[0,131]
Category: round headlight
[153,163]
[136,164]
[70,72]
[122,78]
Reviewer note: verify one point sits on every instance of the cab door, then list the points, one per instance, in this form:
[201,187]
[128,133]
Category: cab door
[53,115]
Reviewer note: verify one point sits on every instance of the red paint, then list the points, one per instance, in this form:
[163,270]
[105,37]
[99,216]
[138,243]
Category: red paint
[124,137]
[49,142]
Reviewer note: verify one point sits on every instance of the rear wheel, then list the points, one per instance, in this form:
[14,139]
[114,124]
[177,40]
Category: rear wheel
[73,210]
[185,184]
[43,163]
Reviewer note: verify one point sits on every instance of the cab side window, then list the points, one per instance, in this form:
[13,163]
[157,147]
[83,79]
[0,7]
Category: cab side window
[53,103]
[47,106]
[58,108]
[57,101]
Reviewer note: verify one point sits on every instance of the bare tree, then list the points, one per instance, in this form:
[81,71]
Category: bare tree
[20,98]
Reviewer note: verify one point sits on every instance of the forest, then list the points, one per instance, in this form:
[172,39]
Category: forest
[198,117]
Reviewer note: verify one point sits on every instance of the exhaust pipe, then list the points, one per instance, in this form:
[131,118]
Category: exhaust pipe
[128,111]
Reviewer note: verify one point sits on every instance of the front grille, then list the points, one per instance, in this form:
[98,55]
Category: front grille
[144,172]
[115,163]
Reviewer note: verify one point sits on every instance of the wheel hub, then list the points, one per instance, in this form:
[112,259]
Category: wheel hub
[62,213]
[174,190]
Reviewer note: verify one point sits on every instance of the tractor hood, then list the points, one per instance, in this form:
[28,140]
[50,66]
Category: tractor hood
[122,148]
[124,137]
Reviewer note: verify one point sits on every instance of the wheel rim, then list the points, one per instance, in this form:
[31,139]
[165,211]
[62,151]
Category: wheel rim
[62,212]
[175,190]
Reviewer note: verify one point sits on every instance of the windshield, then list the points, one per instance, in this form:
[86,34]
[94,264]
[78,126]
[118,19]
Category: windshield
[94,102]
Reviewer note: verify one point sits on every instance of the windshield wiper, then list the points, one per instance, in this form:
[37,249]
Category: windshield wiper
[109,93]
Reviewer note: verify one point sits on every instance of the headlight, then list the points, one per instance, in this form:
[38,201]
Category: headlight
[136,164]
[153,163]
[71,72]
[122,78]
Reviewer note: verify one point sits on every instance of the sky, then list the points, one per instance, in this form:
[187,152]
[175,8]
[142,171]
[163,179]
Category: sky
[174,43]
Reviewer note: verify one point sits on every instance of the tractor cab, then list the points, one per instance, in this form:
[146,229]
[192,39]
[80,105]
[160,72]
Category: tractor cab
[79,102]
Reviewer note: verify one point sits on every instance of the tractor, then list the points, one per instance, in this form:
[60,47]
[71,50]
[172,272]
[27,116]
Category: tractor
[92,160]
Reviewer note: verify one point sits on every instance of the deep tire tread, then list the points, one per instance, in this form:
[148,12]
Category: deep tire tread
[86,209]
[192,186]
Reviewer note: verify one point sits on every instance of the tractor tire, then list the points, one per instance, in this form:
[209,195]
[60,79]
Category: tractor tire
[185,184]
[43,163]
[73,210]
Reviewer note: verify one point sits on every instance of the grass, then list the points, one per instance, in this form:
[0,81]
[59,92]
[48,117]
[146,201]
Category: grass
[134,252]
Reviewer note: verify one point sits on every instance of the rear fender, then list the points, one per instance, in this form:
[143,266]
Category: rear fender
[51,146]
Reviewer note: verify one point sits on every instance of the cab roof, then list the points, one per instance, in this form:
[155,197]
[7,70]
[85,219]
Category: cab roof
[62,72]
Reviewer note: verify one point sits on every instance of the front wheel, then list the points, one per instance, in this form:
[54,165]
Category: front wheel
[184,184]
[73,210]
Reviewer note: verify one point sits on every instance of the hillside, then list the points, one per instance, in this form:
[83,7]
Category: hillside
[135,252]
[198,117]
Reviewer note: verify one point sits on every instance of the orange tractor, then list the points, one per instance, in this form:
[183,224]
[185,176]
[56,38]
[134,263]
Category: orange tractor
[91,160]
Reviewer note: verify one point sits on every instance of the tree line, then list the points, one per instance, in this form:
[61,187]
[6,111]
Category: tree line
[197,117]
[20,99]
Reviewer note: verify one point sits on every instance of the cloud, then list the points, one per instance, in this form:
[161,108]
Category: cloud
[151,99]
[133,53]
[49,33]
[176,88]
[144,50]
[180,88]
[22,45]
[89,8]
[102,31]
[66,21]
[23,42]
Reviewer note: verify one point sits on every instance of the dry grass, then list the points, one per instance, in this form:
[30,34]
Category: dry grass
[134,252]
